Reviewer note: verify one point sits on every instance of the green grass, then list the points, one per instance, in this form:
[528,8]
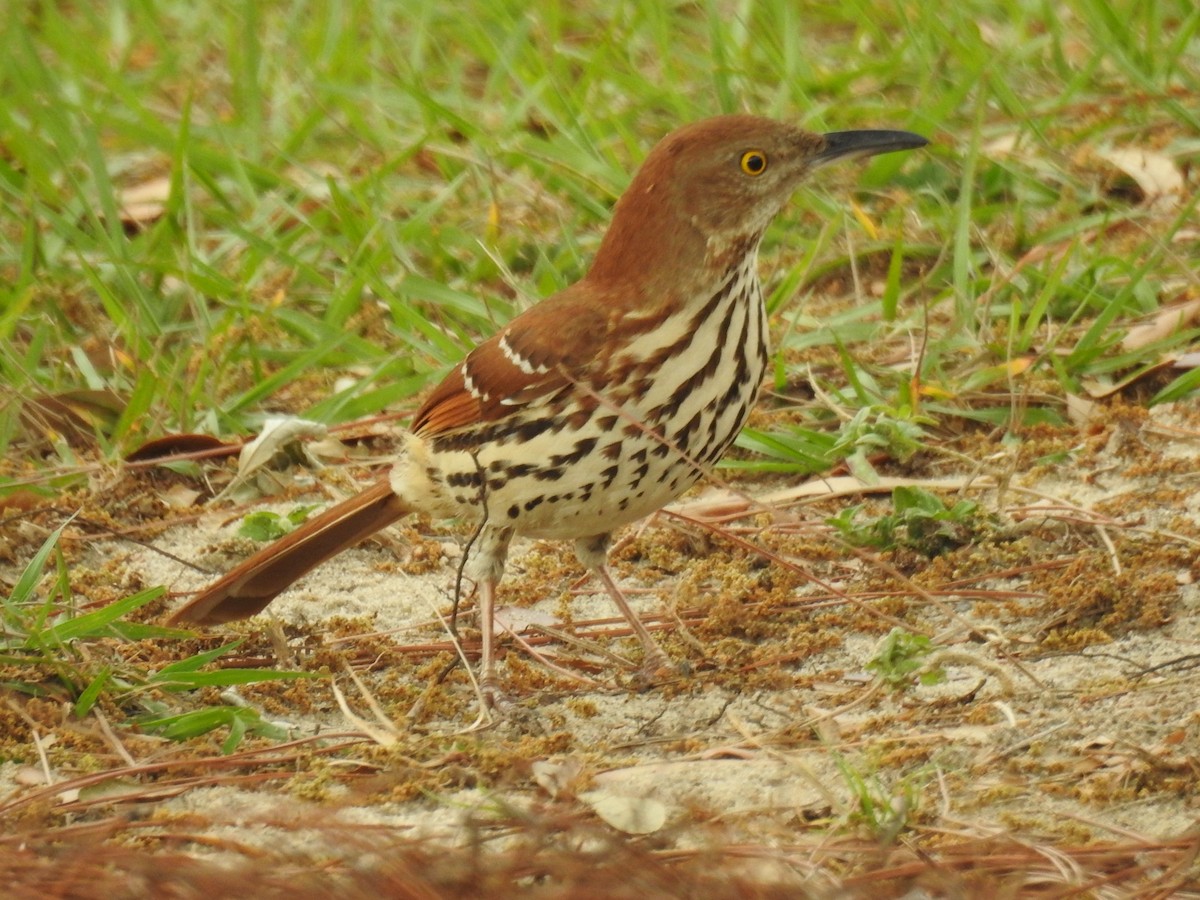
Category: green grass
[366,188]
[52,650]
[356,192]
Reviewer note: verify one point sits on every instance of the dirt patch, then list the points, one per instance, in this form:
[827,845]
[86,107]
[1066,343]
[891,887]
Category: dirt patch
[1053,702]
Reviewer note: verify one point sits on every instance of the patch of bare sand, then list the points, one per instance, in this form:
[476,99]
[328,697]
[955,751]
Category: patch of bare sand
[1091,736]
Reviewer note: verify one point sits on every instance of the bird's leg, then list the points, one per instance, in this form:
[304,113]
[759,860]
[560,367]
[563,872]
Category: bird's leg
[489,684]
[593,553]
[654,659]
[486,564]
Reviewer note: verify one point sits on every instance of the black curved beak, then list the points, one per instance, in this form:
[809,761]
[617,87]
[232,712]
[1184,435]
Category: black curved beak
[852,144]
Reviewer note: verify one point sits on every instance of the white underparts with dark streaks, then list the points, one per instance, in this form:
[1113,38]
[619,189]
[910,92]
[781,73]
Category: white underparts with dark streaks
[585,474]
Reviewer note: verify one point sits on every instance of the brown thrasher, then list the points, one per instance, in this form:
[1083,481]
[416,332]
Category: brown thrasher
[603,403]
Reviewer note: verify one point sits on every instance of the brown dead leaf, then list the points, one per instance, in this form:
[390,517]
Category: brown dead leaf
[1156,174]
[1101,389]
[74,415]
[1166,322]
[144,204]
[1004,145]
[1080,410]
[177,444]
[278,434]
[558,777]
[632,815]
[179,496]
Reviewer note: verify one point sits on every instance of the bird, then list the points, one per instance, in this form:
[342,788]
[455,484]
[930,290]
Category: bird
[600,404]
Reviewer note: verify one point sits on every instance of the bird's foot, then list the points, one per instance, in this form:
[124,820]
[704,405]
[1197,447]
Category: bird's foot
[656,668]
[494,698]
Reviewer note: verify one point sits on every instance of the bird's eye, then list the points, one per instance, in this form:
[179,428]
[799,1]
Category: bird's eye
[754,162]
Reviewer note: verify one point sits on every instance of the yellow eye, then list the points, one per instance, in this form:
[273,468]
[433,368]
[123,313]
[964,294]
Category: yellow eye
[754,162]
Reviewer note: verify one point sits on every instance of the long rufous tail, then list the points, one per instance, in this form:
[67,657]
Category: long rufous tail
[250,586]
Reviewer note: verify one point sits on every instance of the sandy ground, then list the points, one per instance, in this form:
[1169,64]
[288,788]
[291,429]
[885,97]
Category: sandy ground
[1068,636]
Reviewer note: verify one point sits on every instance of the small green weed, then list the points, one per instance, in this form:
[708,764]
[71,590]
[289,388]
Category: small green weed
[919,521]
[883,809]
[902,656]
[264,525]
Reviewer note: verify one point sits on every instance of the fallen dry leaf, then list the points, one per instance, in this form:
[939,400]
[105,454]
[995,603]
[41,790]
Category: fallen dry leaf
[632,815]
[1099,389]
[143,204]
[1080,410]
[1004,145]
[176,444]
[278,433]
[74,415]
[557,777]
[179,496]
[1155,174]
[1166,322]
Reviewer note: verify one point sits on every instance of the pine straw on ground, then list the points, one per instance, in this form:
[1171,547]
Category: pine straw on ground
[558,853]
